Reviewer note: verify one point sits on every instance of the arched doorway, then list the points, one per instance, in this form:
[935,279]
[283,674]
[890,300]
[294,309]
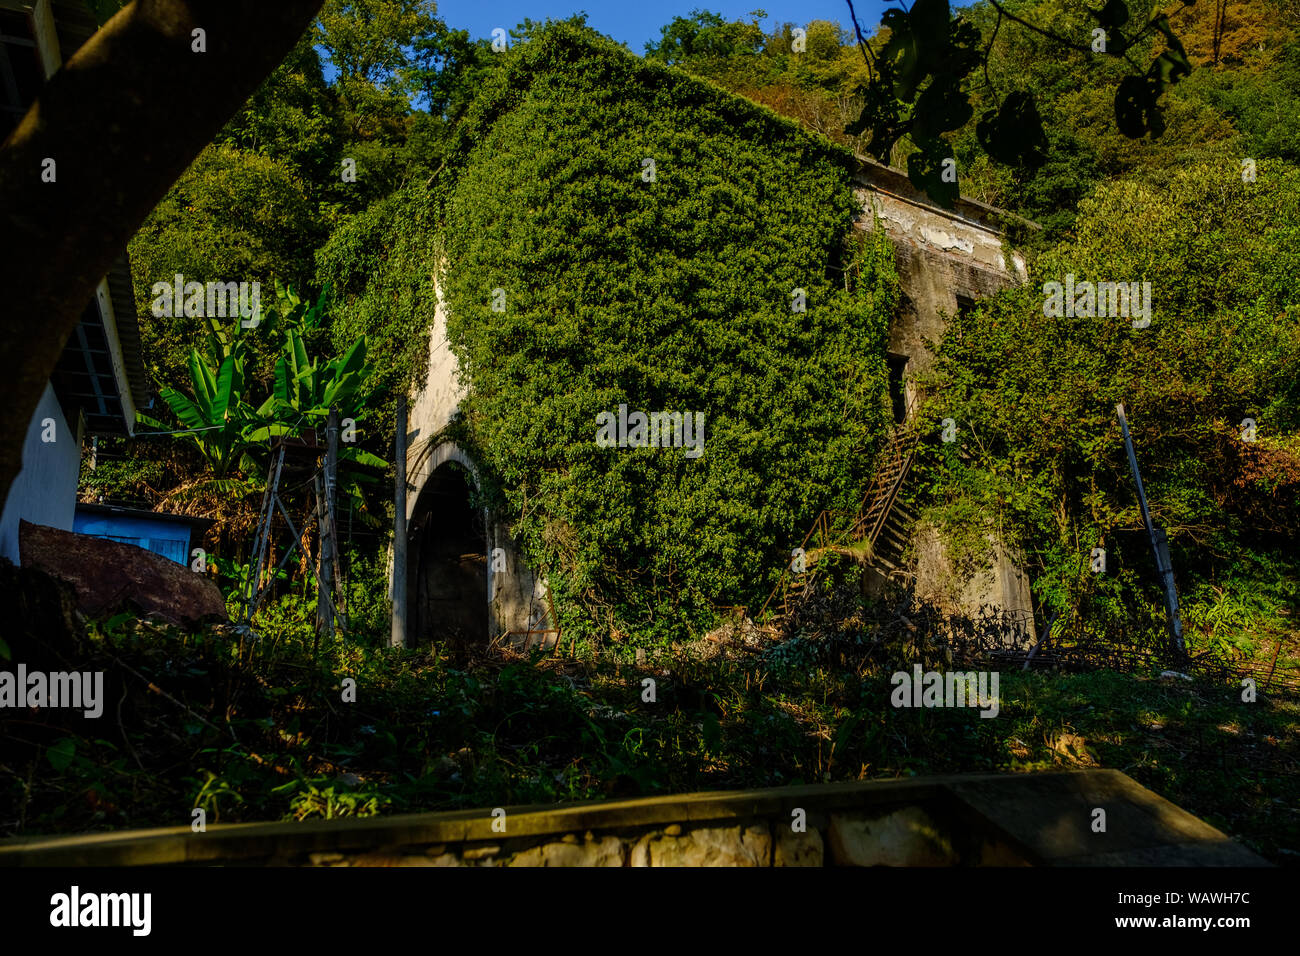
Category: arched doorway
[447,560]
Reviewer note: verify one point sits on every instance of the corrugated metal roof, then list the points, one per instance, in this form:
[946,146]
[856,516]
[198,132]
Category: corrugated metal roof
[122,293]
[84,379]
[118,511]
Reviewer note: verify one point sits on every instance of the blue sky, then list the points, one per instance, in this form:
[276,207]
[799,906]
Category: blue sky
[633,23]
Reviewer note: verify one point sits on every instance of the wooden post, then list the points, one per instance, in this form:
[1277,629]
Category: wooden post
[332,505]
[320,561]
[1159,545]
[398,637]
[325,519]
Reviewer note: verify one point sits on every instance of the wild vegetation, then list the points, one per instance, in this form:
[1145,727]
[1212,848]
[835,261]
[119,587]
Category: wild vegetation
[256,730]
[682,291]
[523,172]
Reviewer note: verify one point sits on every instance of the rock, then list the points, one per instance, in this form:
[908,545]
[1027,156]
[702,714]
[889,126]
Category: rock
[674,829]
[396,858]
[40,618]
[906,837]
[1074,749]
[480,852]
[608,851]
[798,849]
[108,575]
[325,859]
[707,846]
[437,849]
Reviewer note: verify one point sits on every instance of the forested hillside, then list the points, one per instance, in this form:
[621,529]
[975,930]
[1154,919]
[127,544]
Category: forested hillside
[1240,101]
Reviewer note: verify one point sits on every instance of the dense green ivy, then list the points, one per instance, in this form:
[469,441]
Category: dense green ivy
[380,267]
[672,291]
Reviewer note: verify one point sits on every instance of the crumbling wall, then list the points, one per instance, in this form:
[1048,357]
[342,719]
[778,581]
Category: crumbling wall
[944,256]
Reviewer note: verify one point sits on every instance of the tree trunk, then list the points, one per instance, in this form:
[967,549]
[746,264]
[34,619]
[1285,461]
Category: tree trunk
[122,120]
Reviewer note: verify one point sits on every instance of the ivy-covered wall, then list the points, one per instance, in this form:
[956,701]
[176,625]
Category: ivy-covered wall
[664,287]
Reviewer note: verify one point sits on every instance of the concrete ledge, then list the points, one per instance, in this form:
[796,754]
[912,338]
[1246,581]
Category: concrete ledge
[984,819]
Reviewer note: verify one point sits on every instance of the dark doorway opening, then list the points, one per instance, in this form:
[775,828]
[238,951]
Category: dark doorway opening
[448,561]
[965,305]
[897,385]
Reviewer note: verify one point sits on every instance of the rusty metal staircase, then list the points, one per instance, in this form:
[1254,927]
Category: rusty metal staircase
[876,531]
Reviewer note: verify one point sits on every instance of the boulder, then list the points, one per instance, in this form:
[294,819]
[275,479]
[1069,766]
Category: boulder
[607,851]
[109,575]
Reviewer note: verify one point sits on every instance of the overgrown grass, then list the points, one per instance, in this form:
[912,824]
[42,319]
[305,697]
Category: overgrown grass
[257,730]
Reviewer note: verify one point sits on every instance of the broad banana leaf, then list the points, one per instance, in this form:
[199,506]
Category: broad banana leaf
[225,383]
[189,414]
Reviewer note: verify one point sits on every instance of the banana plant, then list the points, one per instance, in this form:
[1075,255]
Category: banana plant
[307,388]
[228,430]
[290,311]
[215,414]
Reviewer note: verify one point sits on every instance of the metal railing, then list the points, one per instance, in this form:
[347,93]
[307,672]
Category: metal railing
[866,523]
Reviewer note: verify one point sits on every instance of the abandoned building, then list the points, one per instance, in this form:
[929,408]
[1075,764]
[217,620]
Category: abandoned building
[464,571]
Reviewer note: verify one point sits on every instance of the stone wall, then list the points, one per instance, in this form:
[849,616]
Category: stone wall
[958,820]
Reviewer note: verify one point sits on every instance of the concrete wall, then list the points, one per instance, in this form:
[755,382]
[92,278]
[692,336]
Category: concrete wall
[1001,585]
[45,491]
[943,254]
[438,399]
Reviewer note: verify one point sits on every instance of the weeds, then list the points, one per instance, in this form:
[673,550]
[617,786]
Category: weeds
[255,729]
